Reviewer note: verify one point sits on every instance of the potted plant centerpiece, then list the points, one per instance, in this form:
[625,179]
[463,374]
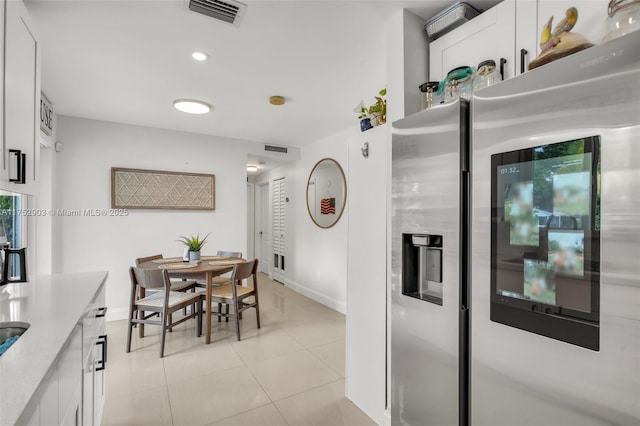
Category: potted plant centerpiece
[194,244]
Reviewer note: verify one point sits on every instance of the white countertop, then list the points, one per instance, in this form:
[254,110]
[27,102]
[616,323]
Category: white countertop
[53,305]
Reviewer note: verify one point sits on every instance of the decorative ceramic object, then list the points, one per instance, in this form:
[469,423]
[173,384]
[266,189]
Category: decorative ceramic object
[365,124]
[561,41]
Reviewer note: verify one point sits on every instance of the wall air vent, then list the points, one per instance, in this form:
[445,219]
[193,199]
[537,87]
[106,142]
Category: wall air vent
[228,11]
[273,148]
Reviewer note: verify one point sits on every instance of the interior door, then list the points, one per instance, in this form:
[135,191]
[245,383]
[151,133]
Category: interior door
[263,228]
[278,220]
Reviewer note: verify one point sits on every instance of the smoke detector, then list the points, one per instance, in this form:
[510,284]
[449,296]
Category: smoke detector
[228,11]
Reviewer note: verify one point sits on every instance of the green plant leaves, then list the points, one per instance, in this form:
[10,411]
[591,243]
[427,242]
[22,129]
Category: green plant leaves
[194,243]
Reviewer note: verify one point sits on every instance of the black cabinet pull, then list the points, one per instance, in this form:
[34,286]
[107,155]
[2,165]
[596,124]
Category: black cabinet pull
[502,62]
[102,363]
[101,312]
[523,54]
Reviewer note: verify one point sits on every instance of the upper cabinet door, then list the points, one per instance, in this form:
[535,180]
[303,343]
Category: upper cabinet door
[21,90]
[490,35]
[526,34]
[592,16]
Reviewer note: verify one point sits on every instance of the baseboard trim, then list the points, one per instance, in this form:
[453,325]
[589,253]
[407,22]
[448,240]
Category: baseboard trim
[386,419]
[116,314]
[318,297]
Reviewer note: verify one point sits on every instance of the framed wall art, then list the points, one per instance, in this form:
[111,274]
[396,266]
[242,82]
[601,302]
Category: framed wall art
[155,189]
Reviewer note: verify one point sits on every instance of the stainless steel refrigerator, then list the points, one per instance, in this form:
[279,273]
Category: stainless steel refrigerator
[516,264]
[555,307]
[429,274]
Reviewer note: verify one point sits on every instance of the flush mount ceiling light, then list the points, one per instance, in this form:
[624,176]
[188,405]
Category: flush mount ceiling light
[191,106]
[276,100]
[200,56]
[252,168]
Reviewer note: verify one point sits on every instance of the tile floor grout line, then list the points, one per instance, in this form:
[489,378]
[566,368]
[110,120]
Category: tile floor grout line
[242,412]
[308,390]
[166,381]
[325,363]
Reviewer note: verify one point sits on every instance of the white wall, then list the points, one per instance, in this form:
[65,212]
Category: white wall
[83,181]
[407,53]
[44,201]
[316,258]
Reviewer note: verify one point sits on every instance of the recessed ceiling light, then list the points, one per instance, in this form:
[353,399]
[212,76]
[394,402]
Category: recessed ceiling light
[252,168]
[200,56]
[191,106]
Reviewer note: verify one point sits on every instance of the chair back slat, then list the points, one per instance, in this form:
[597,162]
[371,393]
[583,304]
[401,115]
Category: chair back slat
[151,278]
[243,271]
[235,254]
[142,260]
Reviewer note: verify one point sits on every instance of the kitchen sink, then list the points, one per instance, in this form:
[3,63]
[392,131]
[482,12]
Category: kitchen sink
[12,328]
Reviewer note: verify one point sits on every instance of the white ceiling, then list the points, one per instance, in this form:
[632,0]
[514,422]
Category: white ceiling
[126,61]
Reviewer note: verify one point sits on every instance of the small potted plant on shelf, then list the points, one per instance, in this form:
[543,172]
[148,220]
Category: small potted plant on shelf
[363,115]
[379,110]
[194,244]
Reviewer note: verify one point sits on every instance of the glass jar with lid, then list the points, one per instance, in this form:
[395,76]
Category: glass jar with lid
[624,17]
[457,84]
[429,94]
[487,75]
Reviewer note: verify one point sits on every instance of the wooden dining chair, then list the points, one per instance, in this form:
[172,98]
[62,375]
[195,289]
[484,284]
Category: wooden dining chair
[162,300]
[182,284]
[234,294]
[176,284]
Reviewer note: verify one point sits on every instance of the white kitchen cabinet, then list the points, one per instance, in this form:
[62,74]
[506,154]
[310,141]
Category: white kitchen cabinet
[366,271]
[70,379]
[44,403]
[4,178]
[72,392]
[488,36]
[94,343]
[511,30]
[20,117]
[58,398]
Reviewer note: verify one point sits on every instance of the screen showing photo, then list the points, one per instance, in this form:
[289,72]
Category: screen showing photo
[566,252]
[572,194]
[545,200]
[539,281]
[518,211]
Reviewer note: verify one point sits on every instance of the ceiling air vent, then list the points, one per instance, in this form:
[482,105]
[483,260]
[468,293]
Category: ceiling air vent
[273,148]
[228,11]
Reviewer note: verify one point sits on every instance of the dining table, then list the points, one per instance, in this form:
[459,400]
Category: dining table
[209,266]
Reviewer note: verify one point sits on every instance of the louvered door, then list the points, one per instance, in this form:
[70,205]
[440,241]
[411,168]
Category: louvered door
[279,220]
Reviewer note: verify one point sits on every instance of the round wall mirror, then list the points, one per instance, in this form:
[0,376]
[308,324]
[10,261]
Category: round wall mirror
[326,193]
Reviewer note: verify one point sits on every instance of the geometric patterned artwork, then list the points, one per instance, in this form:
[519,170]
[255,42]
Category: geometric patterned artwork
[153,189]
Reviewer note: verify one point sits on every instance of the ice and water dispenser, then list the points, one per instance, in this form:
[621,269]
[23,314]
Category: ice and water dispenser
[422,267]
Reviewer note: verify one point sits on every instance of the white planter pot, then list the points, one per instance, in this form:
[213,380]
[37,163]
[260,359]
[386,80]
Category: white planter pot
[194,256]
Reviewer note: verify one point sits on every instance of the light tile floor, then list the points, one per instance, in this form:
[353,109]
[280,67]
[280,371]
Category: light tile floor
[289,372]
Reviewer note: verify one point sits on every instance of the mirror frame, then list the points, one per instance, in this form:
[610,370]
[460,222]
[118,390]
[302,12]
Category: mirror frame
[344,187]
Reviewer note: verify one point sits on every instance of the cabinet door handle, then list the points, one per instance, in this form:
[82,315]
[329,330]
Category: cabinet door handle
[502,62]
[101,312]
[102,363]
[523,54]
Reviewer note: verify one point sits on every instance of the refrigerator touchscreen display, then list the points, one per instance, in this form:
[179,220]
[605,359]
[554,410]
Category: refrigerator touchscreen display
[545,238]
